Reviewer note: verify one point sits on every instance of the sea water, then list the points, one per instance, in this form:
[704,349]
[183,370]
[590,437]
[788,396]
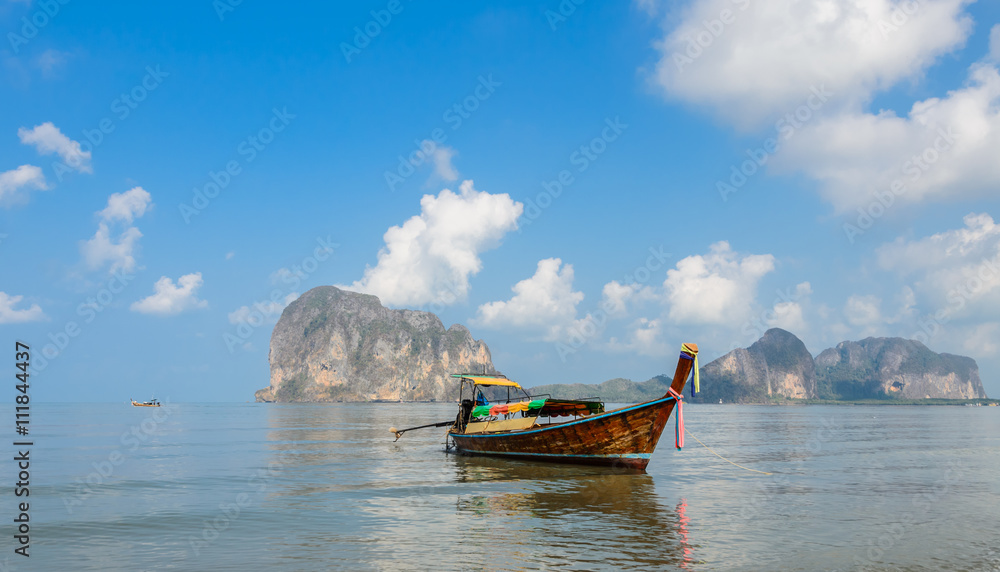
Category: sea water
[325,487]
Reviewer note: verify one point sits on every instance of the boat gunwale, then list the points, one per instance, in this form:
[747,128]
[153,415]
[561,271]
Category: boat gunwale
[641,456]
[568,423]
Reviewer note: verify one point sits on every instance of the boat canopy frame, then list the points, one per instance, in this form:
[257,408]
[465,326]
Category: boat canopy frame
[558,407]
[486,380]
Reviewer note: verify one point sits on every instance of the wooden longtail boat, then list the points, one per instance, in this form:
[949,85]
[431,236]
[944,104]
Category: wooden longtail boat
[150,403]
[623,437]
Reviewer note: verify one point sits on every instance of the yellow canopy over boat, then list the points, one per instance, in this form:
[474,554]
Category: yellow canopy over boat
[485,380]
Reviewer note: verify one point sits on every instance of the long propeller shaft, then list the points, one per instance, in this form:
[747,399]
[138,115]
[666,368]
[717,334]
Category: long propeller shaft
[399,432]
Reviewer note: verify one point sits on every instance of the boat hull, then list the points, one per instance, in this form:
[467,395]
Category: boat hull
[623,438]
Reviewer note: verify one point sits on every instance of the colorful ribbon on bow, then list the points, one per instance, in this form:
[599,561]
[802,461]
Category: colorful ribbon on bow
[696,386]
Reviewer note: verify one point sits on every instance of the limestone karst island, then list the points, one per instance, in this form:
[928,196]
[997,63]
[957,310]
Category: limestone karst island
[335,345]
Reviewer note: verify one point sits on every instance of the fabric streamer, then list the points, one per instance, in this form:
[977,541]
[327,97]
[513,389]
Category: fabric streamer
[503,408]
[696,385]
[679,420]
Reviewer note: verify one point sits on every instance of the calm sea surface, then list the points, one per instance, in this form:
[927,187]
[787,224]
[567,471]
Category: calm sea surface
[324,487]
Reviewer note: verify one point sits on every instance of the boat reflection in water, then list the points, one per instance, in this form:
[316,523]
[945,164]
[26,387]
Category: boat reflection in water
[591,517]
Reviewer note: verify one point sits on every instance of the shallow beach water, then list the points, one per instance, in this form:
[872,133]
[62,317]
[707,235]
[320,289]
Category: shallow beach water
[324,487]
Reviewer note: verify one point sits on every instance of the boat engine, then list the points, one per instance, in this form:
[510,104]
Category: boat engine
[464,415]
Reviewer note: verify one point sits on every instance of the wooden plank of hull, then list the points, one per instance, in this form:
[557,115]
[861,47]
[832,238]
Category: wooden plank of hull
[624,437]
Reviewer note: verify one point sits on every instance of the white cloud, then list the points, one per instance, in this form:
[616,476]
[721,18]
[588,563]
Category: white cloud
[614,296]
[950,299]
[717,288]
[907,305]
[645,337]
[983,339]
[282,275]
[787,314]
[102,249]
[650,7]
[995,44]
[47,139]
[127,206]
[441,157]
[863,311]
[945,147]
[169,299]
[752,61]
[866,315]
[545,302]
[957,271]
[24,177]
[119,251]
[430,258]
[51,60]
[10,315]
[266,311]
[241,314]
[761,62]
[230,255]
[979,238]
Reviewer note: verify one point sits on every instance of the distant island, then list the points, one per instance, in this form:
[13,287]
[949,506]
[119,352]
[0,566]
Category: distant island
[778,368]
[335,345]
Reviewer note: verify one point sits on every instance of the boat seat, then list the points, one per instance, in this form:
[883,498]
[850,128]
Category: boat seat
[515,424]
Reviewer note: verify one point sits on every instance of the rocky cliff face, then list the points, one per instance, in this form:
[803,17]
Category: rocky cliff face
[894,367]
[778,364]
[335,345]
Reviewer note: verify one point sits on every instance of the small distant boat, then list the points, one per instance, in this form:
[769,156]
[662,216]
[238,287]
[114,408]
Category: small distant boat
[150,403]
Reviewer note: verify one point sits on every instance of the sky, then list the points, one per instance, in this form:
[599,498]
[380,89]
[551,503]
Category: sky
[584,185]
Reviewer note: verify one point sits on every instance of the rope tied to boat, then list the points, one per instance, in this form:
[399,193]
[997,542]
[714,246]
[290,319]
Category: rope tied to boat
[727,460]
[678,419]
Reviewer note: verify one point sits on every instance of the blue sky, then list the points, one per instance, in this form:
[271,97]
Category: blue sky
[299,126]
